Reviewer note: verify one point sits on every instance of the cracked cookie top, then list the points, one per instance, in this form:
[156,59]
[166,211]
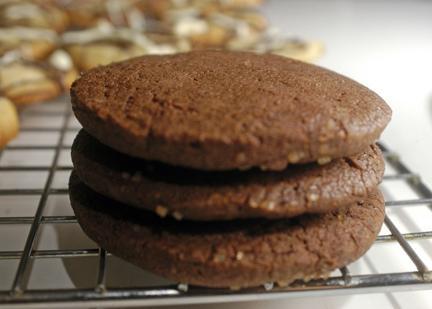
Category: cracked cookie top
[220,110]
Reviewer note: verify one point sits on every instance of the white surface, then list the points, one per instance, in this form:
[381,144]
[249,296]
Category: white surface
[386,45]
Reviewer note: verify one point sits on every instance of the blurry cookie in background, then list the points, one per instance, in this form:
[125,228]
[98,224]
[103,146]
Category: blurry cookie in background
[9,124]
[103,45]
[219,30]
[29,43]
[307,51]
[160,8]
[38,14]
[298,49]
[86,14]
[211,28]
[25,82]
[253,18]
[62,62]
[83,13]
[232,25]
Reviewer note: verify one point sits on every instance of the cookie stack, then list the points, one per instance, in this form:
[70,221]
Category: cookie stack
[227,169]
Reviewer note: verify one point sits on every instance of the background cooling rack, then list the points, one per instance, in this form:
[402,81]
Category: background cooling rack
[46,260]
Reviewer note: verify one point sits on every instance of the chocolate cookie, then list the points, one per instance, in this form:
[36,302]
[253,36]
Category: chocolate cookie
[196,195]
[220,110]
[236,253]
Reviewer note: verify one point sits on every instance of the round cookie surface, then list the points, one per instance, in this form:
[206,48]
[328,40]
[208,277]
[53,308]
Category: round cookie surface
[197,195]
[220,110]
[237,253]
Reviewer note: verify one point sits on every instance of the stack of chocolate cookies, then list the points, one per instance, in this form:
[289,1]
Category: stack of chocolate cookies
[228,169]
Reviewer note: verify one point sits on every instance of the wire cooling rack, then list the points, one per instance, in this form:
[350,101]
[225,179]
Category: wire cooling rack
[41,153]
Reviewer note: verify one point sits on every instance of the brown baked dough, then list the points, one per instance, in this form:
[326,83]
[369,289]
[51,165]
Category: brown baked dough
[197,195]
[237,253]
[220,110]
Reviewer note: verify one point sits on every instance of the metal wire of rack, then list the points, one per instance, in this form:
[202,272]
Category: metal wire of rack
[343,282]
